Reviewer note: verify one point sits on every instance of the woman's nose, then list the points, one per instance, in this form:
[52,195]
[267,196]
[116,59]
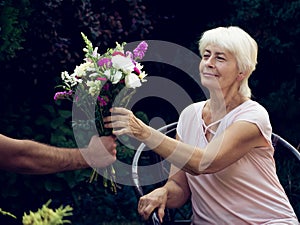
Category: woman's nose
[209,62]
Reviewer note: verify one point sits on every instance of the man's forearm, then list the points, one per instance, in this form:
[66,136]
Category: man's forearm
[42,158]
[31,157]
[37,158]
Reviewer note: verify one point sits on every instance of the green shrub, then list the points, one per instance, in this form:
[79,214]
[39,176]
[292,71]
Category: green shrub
[13,25]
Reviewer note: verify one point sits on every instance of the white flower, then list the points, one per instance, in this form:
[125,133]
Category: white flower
[94,87]
[116,77]
[123,63]
[64,75]
[132,81]
[113,75]
[107,74]
[80,71]
[142,74]
[95,52]
[70,80]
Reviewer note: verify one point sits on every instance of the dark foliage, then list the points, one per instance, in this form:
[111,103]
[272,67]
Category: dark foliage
[13,23]
[39,39]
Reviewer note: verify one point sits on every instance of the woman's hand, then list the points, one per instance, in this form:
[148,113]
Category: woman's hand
[155,199]
[123,121]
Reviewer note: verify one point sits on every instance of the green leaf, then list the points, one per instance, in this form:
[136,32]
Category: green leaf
[57,122]
[51,185]
[65,113]
[49,108]
[41,120]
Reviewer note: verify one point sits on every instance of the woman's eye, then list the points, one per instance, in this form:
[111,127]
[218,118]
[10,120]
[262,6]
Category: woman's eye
[220,58]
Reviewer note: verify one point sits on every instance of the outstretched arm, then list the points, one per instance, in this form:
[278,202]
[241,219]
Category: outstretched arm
[30,157]
[236,141]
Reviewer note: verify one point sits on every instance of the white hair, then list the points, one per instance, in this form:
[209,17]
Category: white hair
[237,42]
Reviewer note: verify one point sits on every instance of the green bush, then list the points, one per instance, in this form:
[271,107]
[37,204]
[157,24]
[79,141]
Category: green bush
[13,25]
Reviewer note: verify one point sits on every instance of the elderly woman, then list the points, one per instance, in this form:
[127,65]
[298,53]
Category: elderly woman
[223,155]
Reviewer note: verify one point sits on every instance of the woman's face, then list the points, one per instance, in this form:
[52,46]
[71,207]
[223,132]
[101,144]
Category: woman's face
[218,68]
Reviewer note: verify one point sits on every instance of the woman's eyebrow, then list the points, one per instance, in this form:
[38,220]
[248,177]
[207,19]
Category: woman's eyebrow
[220,53]
[217,53]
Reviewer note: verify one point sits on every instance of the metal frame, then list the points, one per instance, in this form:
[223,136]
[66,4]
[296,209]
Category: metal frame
[277,139]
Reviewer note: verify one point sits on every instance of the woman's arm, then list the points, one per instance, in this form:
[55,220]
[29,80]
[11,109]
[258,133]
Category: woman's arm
[172,195]
[30,157]
[225,149]
[177,188]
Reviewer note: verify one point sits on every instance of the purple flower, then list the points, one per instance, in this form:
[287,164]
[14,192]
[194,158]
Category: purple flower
[101,101]
[105,87]
[139,51]
[104,62]
[62,95]
[129,54]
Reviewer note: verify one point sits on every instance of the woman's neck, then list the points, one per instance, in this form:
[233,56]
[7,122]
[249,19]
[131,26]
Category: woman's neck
[219,105]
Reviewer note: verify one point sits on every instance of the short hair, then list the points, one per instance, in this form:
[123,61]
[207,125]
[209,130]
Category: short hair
[240,44]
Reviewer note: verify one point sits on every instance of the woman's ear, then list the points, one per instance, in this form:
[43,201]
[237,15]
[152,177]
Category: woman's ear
[240,76]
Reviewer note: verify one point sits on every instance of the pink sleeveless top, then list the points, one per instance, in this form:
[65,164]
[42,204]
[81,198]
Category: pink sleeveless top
[246,192]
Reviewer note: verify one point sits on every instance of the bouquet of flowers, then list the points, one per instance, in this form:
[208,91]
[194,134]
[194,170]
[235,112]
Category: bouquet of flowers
[102,81]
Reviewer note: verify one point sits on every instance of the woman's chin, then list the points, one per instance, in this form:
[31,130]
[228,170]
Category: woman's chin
[210,83]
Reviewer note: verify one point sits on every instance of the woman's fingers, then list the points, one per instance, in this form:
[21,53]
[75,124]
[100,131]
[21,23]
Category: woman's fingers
[122,131]
[119,121]
[146,212]
[119,110]
[123,121]
[161,213]
[114,118]
[118,115]
[145,209]
[117,124]
[148,203]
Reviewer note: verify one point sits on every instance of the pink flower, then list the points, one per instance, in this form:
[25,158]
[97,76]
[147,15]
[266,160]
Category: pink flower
[102,101]
[136,70]
[101,78]
[129,54]
[104,62]
[139,51]
[62,95]
[118,53]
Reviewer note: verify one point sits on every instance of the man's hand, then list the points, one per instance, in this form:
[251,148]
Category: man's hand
[101,151]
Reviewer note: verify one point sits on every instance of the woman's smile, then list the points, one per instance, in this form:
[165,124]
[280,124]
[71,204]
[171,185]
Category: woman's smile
[206,74]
